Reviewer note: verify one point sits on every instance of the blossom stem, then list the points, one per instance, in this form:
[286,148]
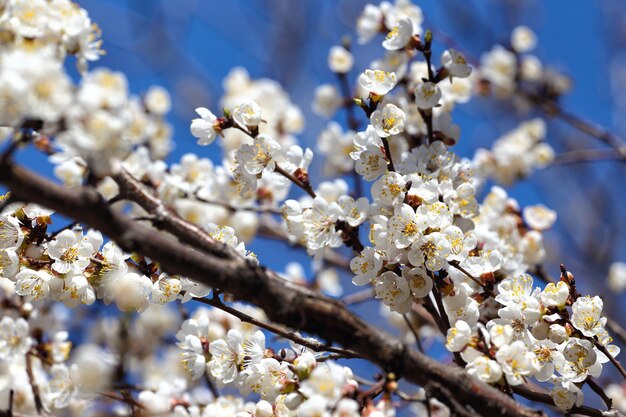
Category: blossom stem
[524,391]
[232,209]
[33,383]
[586,155]
[614,361]
[473,278]
[306,186]
[358,297]
[598,390]
[388,153]
[414,332]
[216,302]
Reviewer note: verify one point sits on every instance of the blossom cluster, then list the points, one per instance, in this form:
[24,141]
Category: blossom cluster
[294,378]
[535,335]
[398,197]
[516,154]
[76,268]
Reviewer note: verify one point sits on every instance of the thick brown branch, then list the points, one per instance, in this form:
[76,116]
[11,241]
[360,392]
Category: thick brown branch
[283,302]
[168,220]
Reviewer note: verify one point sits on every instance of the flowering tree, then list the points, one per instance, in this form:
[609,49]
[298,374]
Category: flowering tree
[401,216]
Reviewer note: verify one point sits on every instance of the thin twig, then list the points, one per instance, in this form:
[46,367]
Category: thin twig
[33,383]
[470,276]
[310,343]
[305,186]
[231,208]
[586,155]
[414,331]
[541,397]
[358,297]
[598,390]
[391,167]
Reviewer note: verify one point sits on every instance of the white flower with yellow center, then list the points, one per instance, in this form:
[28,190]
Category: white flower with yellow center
[431,250]
[247,114]
[485,369]
[523,39]
[62,385]
[193,340]
[499,67]
[400,35]
[437,215]
[587,315]
[366,266]
[9,263]
[77,290]
[15,338]
[539,217]
[514,290]
[388,121]
[578,360]
[259,156]
[389,189]
[566,395]
[458,336]
[555,295]
[461,200]
[166,289]
[460,243]
[319,223]
[455,63]
[394,291]
[378,82]
[327,380]
[406,226]
[206,127]
[267,377]
[340,60]
[130,292]
[371,163]
[500,334]
[71,252]
[32,284]
[231,356]
[461,306]
[354,212]
[193,356]
[368,23]
[227,357]
[11,235]
[427,95]
[517,362]
[419,281]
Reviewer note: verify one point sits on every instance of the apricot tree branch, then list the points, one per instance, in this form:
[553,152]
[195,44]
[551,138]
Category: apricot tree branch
[283,302]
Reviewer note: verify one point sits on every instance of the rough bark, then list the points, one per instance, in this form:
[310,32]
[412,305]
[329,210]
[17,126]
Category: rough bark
[285,303]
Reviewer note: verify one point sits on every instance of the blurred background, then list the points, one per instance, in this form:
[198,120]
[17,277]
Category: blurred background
[189,46]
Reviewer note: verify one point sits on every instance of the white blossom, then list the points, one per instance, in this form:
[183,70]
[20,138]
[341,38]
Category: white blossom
[389,121]
[377,82]
[206,128]
[399,35]
[455,63]
[247,114]
[427,95]
[340,60]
